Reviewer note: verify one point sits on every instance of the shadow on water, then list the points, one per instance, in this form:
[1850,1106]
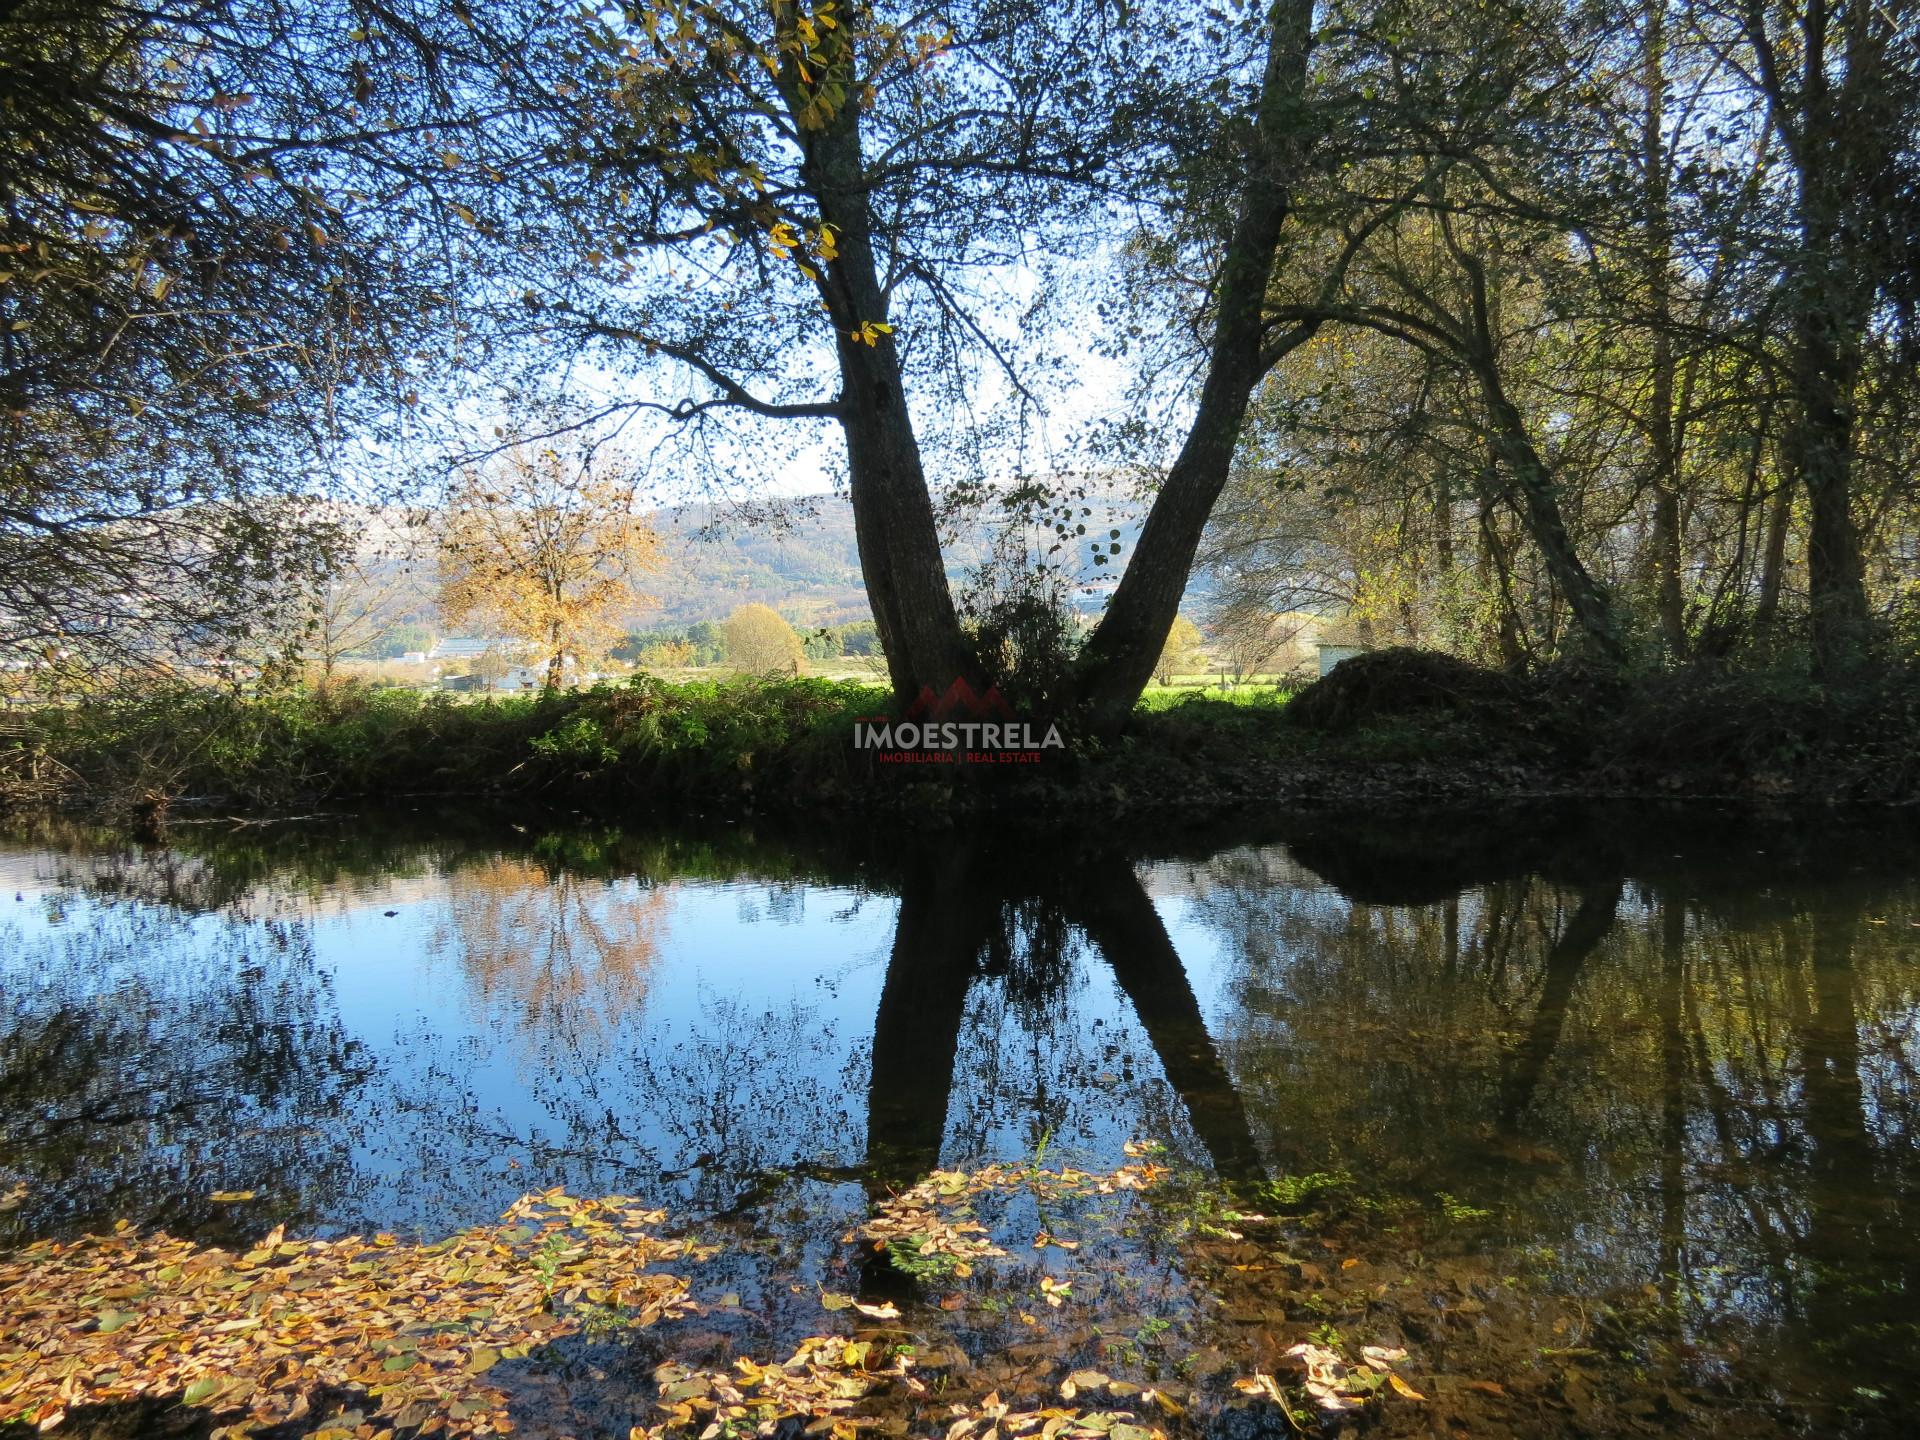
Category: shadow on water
[1667,1055]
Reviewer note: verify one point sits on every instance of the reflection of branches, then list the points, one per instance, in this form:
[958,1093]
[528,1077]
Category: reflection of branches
[1584,932]
[952,916]
[201,1078]
[565,956]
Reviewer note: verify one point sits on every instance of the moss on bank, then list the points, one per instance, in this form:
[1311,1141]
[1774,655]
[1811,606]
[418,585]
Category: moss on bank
[1395,725]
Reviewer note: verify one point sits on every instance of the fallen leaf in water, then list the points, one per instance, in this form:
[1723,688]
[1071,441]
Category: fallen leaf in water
[1402,1388]
[404,1324]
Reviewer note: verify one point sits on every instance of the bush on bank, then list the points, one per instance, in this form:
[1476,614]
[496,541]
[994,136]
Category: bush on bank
[1391,725]
[180,742]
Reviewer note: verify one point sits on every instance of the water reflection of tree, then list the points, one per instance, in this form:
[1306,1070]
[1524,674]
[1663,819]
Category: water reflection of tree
[564,957]
[1022,922]
[130,1091]
[1708,1088]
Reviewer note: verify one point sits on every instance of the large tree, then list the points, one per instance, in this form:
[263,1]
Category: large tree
[191,304]
[848,216]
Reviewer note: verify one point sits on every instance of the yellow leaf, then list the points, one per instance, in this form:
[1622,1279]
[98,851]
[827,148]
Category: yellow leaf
[1400,1387]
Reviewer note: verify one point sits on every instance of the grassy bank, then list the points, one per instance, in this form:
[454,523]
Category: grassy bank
[1397,724]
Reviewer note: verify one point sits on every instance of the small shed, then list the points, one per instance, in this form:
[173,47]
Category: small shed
[1331,653]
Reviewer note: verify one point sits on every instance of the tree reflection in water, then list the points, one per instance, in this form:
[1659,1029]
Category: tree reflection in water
[1686,1078]
[142,1090]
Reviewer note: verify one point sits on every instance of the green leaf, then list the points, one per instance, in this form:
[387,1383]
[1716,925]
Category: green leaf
[203,1390]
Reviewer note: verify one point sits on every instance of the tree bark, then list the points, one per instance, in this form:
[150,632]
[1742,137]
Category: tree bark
[1663,437]
[1118,660]
[894,524]
[1773,558]
[1540,512]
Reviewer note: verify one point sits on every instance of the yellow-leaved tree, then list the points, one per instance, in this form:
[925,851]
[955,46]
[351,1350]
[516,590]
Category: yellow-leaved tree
[761,642]
[1183,654]
[548,549]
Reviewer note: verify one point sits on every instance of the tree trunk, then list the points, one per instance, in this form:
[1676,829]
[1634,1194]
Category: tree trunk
[1494,578]
[1663,438]
[1118,659]
[1820,442]
[1773,559]
[1838,130]
[1540,512]
[556,661]
[894,525]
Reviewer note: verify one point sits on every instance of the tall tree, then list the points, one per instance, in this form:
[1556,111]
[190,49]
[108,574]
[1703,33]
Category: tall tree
[1119,656]
[191,306]
[549,549]
[786,213]
[1840,84]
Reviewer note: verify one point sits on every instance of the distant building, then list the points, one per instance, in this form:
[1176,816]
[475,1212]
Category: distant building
[1332,654]
[470,647]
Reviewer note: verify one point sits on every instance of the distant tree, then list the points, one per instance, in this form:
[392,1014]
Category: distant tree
[760,642]
[860,637]
[489,667]
[668,655]
[349,611]
[709,642]
[1181,655]
[546,550]
[1248,638]
[403,639]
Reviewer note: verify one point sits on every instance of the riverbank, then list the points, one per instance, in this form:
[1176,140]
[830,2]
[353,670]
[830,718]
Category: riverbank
[1395,727]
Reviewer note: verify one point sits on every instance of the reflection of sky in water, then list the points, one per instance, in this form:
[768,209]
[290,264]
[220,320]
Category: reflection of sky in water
[1707,1090]
[740,1045]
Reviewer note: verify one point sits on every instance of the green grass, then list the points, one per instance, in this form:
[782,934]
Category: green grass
[1266,693]
[270,749]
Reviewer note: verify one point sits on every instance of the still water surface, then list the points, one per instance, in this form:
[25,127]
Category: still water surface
[1665,1055]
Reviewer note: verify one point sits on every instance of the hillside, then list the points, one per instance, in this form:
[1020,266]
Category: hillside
[801,559]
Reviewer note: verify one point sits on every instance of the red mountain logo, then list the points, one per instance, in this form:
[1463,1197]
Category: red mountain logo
[959,702]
